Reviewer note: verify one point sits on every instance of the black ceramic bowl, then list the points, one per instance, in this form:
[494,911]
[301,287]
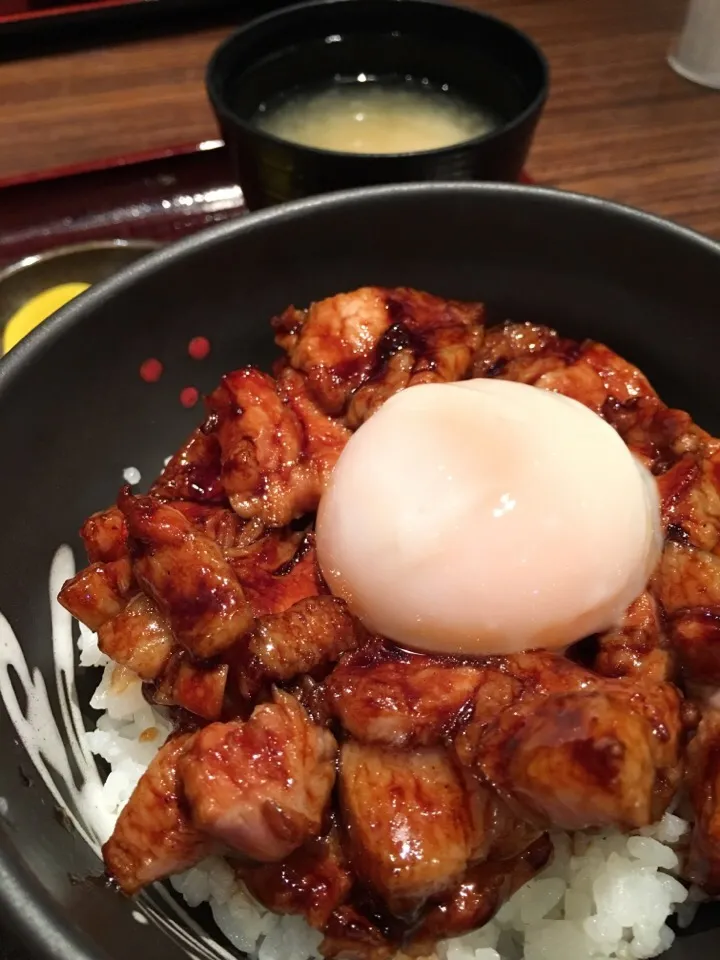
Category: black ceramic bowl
[74,412]
[486,61]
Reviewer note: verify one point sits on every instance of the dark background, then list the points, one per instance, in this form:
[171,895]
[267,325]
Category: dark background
[9,947]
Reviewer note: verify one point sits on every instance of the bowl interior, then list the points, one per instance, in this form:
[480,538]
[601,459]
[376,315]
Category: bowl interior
[74,413]
[479,58]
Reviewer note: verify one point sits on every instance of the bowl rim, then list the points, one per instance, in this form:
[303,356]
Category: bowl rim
[68,250]
[534,108]
[26,906]
[12,363]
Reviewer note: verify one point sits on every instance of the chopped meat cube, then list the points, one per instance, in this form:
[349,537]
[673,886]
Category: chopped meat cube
[384,695]
[536,674]
[313,881]
[478,896]
[138,637]
[408,822]
[334,342]
[105,536]
[277,447]
[99,592]
[153,837]
[349,935]
[696,641]
[575,760]
[588,372]
[198,688]
[598,757]
[661,436]
[357,349]
[687,578]
[704,786]
[261,786]
[194,472]
[310,635]
[259,438]
[278,571]
[508,342]
[429,340]
[221,524]
[692,500]
[638,646]
[323,441]
[186,575]
[623,382]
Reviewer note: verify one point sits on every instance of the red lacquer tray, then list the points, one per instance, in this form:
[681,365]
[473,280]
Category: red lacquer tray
[31,27]
[145,197]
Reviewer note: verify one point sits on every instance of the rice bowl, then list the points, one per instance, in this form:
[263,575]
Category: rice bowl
[112,910]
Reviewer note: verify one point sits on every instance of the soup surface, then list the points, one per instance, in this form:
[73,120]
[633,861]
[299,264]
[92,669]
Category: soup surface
[375,117]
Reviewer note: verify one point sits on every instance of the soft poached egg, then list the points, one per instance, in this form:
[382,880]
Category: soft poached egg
[487,517]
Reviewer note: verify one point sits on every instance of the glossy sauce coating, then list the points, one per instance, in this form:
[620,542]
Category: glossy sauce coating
[514,743]
[187,576]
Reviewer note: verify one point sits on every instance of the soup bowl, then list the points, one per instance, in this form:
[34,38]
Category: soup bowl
[75,414]
[487,62]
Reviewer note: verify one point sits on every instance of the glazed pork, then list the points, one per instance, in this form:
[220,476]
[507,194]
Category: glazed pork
[392,798]
[260,786]
[154,836]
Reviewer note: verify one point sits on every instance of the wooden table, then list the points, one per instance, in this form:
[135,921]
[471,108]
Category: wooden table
[619,122]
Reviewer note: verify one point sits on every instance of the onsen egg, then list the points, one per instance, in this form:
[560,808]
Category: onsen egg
[487,517]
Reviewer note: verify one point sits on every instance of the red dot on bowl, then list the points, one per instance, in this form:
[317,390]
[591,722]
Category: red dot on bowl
[151,370]
[199,348]
[189,396]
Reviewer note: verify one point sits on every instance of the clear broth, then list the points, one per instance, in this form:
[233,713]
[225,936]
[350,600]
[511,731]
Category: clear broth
[370,116]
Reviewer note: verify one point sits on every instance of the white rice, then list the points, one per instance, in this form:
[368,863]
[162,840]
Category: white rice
[604,895]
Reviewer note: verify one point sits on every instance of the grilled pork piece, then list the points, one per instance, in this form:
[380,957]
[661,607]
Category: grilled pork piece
[357,349]
[608,755]
[588,372]
[687,579]
[221,524]
[193,473]
[313,881]
[308,636]
[278,570]
[334,342]
[703,865]
[186,575]
[99,592]
[687,584]
[138,637]
[198,688]
[261,787]
[384,695]
[351,935]
[104,535]
[408,822]
[153,837]
[638,645]
[477,896]
[277,447]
